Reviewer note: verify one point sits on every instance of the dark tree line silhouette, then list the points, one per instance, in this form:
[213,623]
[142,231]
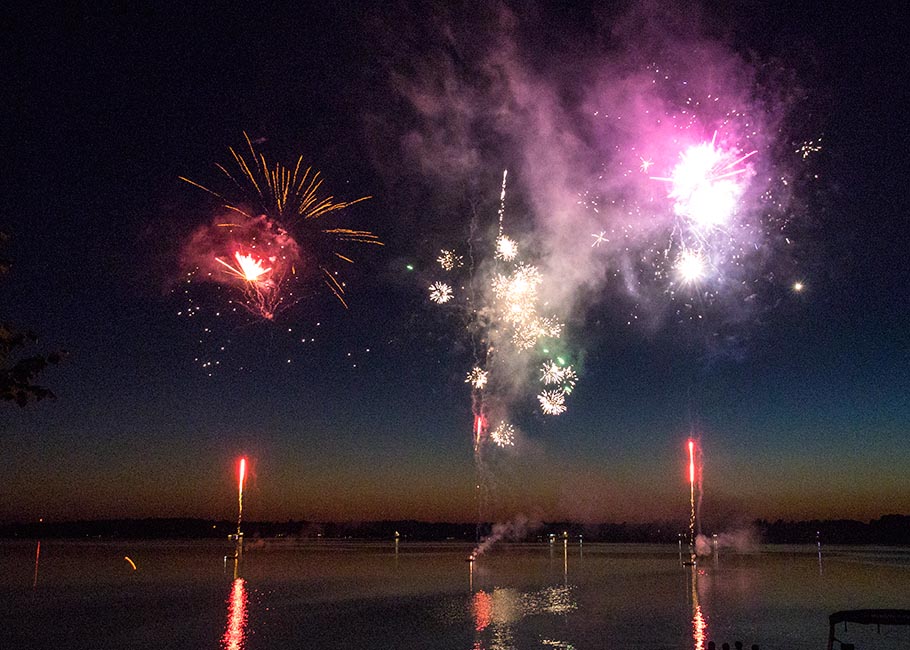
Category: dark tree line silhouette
[20,363]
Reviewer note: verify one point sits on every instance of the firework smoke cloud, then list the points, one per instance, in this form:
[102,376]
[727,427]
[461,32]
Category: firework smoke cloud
[656,167]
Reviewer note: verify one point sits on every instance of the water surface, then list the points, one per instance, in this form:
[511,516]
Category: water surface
[365,596]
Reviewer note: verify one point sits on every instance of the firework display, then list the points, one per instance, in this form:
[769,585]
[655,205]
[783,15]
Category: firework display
[507,312]
[692,214]
[268,242]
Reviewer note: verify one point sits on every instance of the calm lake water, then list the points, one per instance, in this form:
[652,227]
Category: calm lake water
[337,595]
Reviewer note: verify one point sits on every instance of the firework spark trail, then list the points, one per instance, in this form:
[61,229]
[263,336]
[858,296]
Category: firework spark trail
[691,446]
[480,429]
[242,475]
[263,295]
[248,268]
[552,373]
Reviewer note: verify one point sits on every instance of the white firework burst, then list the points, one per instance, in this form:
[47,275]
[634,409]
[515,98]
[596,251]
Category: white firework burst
[440,293]
[503,435]
[506,248]
[550,327]
[552,402]
[449,261]
[690,266]
[568,379]
[477,378]
[550,373]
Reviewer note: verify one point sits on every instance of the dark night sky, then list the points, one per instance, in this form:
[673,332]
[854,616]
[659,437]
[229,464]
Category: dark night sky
[105,110]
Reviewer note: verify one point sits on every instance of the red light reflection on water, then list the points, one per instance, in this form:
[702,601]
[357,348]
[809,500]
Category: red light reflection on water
[235,632]
[699,625]
[38,558]
[483,610]
[699,628]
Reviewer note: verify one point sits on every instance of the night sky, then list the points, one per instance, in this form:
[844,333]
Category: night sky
[800,401]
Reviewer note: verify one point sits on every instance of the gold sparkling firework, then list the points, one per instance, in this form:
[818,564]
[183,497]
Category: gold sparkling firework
[440,293]
[288,198]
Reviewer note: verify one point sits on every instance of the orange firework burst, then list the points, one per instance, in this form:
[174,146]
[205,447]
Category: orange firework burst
[273,237]
[248,267]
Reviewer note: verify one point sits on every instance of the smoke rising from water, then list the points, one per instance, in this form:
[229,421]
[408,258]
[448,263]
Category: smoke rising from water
[739,541]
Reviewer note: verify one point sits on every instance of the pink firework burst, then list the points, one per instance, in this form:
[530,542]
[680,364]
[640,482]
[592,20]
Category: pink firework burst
[707,184]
